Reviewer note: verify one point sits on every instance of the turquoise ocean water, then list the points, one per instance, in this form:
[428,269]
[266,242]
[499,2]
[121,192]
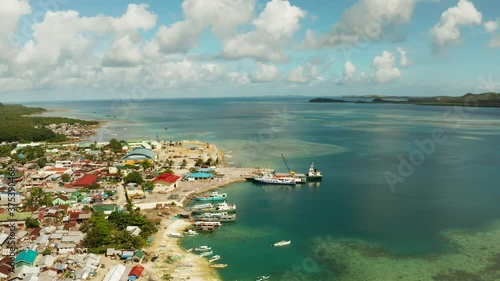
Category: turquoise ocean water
[355,146]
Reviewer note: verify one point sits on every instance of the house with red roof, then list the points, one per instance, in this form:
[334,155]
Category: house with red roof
[85,181]
[166,182]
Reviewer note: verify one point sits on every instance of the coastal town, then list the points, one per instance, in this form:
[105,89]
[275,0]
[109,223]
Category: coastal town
[108,210]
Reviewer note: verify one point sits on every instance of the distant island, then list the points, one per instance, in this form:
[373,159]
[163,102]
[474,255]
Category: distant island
[472,100]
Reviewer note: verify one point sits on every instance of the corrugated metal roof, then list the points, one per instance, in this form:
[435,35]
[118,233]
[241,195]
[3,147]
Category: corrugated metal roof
[115,273]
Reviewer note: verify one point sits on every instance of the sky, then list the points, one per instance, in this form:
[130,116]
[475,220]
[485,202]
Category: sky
[93,49]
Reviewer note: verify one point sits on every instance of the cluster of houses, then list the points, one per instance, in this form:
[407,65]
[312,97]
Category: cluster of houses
[55,250]
[73,130]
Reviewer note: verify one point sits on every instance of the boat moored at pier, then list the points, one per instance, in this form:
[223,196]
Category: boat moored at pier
[313,174]
[217,217]
[268,178]
[215,196]
[207,225]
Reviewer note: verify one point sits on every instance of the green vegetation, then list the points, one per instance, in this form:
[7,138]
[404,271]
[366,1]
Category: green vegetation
[115,146]
[147,186]
[38,197]
[32,152]
[6,149]
[135,177]
[32,223]
[65,178]
[16,126]
[105,233]
[46,252]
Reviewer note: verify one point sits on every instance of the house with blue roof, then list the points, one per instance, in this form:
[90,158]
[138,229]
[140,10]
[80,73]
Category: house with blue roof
[26,258]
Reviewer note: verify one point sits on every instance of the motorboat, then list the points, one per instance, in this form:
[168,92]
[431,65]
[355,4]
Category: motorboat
[282,243]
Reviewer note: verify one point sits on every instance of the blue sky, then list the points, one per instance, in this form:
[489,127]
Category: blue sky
[74,49]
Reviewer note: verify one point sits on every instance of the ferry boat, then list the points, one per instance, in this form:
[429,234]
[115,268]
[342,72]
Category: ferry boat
[282,243]
[218,217]
[313,174]
[207,225]
[214,258]
[202,248]
[215,196]
[268,178]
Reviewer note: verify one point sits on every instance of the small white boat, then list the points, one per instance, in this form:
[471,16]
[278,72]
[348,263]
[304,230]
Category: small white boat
[190,233]
[214,258]
[282,243]
[204,254]
[203,248]
[262,278]
[190,250]
[175,235]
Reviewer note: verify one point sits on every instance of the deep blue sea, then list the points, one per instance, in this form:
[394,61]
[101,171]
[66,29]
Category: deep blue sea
[379,186]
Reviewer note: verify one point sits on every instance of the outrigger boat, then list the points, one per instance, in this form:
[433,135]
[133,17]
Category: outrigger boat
[202,248]
[214,258]
[204,254]
[219,265]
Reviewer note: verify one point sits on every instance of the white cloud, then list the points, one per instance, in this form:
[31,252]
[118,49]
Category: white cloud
[124,52]
[365,20]
[491,26]
[266,73]
[385,69]
[65,35]
[447,31]
[404,61]
[305,74]
[10,13]
[239,78]
[274,27]
[223,16]
[349,71]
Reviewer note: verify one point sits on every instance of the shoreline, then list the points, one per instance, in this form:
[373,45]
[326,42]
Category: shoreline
[200,269]
[173,260]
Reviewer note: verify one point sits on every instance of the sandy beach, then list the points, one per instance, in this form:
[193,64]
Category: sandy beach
[173,261]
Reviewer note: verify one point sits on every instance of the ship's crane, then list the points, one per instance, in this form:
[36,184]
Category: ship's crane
[286,164]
